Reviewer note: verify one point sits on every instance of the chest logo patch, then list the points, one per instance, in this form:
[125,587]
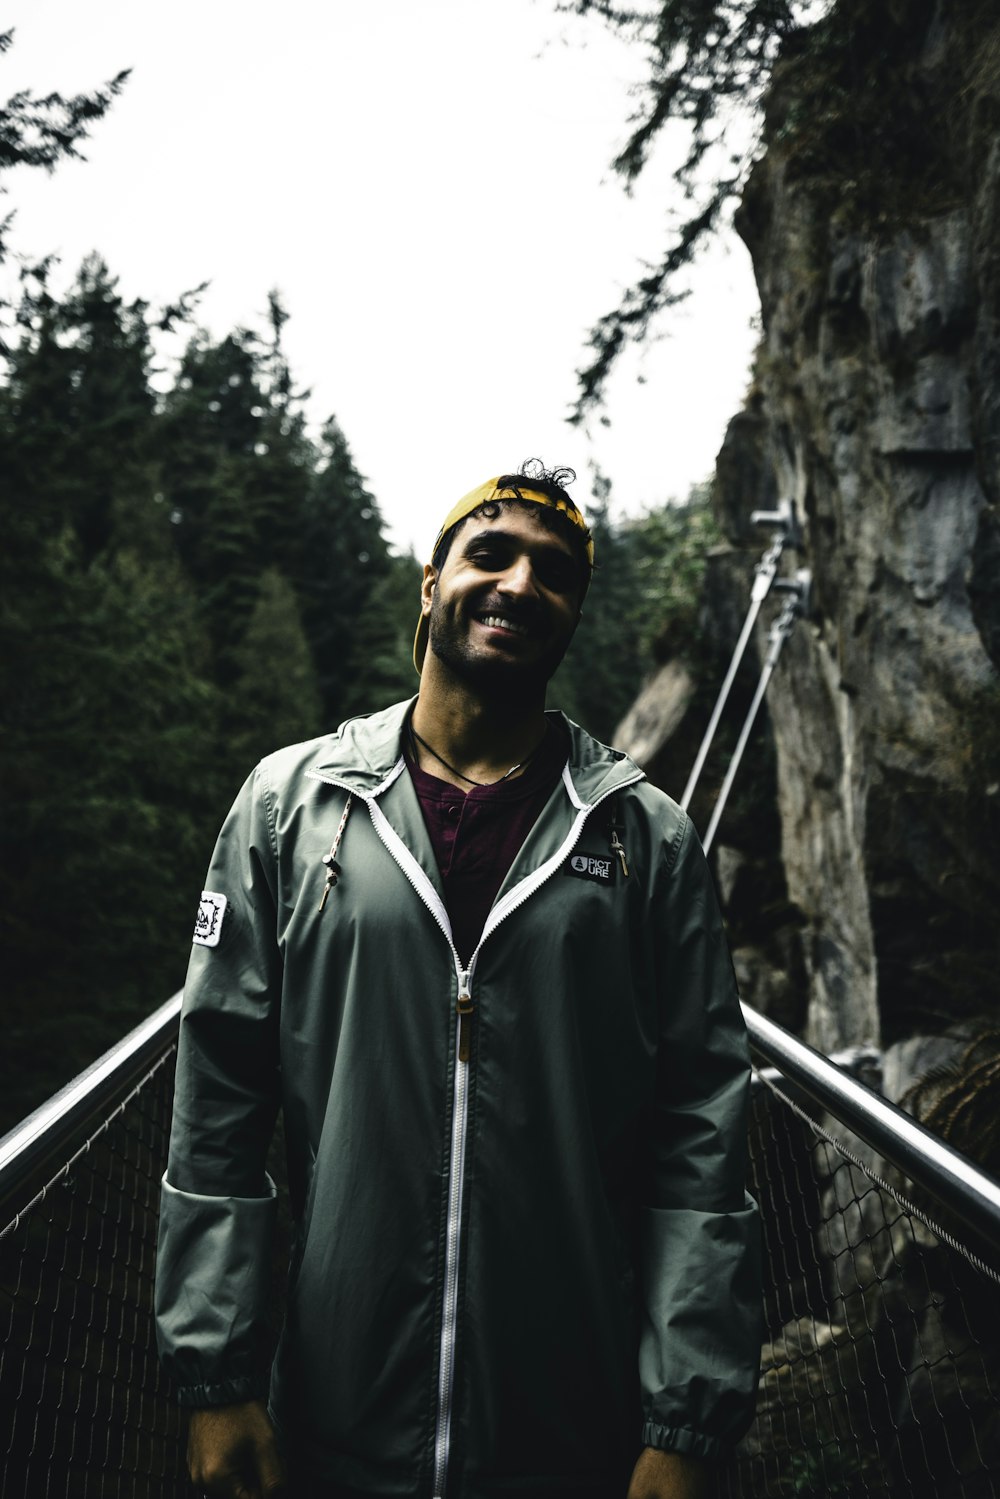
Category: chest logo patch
[597,867]
[208,926]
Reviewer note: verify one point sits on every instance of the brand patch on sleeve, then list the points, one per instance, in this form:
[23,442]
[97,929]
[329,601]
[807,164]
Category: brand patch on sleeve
[208,927]
[597,867]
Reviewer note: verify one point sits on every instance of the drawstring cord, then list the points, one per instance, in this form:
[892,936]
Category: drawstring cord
[330,859]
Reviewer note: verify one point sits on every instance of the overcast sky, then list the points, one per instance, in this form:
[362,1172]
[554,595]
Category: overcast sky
[428,186]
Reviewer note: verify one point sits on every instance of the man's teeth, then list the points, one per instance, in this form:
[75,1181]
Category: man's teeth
[499,622]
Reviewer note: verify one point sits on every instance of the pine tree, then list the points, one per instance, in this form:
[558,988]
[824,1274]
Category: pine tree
[106,717]
[175,571]
[383,644]
[602,670]
[107,711]
[78,445]
[642,606]
[275,683]
[344,560]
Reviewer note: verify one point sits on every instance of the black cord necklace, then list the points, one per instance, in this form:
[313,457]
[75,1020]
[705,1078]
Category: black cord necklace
[462,777]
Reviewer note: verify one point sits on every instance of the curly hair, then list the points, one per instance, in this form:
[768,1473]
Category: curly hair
[532,475]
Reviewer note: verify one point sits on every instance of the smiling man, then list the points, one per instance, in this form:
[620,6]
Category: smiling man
[477,961]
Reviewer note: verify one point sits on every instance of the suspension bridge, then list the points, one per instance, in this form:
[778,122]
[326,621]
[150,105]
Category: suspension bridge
[880,1365]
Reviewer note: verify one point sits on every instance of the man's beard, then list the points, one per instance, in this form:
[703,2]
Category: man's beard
[493,675]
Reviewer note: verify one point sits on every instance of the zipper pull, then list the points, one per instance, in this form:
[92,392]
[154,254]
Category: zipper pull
[618,848]
[465,1010]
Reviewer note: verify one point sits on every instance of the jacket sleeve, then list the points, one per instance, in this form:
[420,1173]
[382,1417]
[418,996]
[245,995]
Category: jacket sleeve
[700,1342]
[217,1204]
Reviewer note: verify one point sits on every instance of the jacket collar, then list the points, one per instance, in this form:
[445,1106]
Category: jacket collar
[594,768]
[364,751]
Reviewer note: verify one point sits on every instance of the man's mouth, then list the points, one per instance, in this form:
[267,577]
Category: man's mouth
[503,622]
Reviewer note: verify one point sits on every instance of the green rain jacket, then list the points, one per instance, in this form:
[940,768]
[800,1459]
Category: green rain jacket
[523,1248]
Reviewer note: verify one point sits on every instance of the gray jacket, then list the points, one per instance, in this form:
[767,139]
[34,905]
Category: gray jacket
[523,1247]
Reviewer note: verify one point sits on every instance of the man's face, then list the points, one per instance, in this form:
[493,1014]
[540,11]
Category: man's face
[505,604]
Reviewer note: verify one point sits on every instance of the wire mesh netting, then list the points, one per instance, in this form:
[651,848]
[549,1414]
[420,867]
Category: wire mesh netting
[83,1406]
[880,1371]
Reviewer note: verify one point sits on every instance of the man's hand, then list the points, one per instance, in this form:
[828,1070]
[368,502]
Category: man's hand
[232,1453]
[668,1475]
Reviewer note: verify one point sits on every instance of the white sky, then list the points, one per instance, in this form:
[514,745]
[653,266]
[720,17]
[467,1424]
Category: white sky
[428,186]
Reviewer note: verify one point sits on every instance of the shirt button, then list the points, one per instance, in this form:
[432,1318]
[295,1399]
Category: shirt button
[453,809]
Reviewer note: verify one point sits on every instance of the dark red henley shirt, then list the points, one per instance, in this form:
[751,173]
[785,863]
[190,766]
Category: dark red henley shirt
[476,835]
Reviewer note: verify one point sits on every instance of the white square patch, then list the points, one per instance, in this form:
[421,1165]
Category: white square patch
[208,927]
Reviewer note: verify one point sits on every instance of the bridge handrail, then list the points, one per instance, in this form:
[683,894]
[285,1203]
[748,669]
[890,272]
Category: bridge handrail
[950,1177]
[96,1090]
[930,1162]
[875,1319]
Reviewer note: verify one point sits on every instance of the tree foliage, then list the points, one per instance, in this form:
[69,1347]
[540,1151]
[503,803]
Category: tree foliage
[288,699]
[708,66]
[642,607]
[840,91]
[42,130]
[188,581]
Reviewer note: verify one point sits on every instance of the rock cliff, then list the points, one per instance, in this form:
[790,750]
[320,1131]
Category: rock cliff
[873,221]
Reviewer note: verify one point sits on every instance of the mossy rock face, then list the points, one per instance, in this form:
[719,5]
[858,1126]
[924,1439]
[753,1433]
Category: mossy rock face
[866,108]
[873,217]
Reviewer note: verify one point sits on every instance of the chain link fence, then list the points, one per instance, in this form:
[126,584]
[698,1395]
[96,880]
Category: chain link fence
[84,1411]
[880,1373]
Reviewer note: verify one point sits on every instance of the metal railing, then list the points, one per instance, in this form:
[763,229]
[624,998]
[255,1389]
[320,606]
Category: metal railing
[84,1408]
[941,1172]
[102,1087]
[879,1376]
[880,1370]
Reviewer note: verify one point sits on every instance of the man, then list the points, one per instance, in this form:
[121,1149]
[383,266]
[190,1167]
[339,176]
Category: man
[478,963]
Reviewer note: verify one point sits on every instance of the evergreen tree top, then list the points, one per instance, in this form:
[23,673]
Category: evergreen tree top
[708,65]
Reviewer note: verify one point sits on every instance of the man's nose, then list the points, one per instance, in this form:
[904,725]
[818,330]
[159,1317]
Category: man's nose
[518,580]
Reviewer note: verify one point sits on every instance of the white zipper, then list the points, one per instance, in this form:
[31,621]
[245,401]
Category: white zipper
[417,877]
[453,1238]
[460,1092]
[460,1110]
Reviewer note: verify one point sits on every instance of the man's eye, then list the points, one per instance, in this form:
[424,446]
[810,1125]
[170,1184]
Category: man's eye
[485,557]
[557,573]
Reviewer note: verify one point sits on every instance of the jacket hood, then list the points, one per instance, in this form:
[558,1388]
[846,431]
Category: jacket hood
[364,752]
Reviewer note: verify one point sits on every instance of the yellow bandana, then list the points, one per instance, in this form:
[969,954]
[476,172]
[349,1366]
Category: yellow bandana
[472,501]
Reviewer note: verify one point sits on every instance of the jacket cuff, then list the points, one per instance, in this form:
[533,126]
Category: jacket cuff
[213,1275]
[681,1439]
[226,1392]
[700,1343]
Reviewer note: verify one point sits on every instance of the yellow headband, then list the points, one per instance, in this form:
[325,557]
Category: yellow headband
[481,496]
[491,491]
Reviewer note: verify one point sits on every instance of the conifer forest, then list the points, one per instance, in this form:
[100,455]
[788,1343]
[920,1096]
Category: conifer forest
[161,548]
